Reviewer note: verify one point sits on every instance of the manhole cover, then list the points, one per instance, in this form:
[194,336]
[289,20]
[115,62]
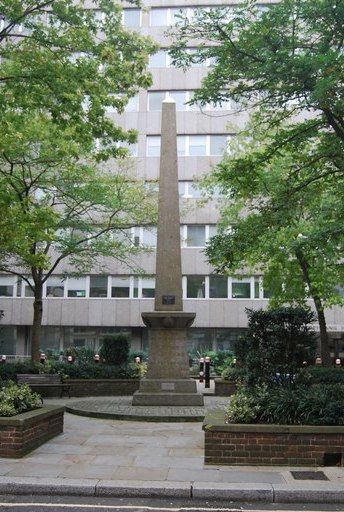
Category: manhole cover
[309,475]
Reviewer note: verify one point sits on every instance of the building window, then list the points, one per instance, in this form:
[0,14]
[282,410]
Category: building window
[76,287]
[132,17]
[98,286]
[6,286]
[28,291]
[120,287]
[198,145]
[241,288]
[188,189]
[218,144]
[148,287]
[195,236]
[218,287]
[191,145]
[149,236]
[155,100]
[195,287]
[153,145]
[160,59]
[162,17]
[54,287]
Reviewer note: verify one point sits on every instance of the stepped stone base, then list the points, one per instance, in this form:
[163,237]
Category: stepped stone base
[167,392]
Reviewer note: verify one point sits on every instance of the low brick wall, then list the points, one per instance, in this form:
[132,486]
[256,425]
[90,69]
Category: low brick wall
[22,433]
[297,445]
[103,387]
[225,387]
[92,387]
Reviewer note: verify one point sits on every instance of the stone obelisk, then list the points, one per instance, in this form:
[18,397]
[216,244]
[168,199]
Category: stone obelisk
[167,381]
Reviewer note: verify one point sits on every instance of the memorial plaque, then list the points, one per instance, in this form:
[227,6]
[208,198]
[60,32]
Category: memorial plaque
[167,386]
[168,299]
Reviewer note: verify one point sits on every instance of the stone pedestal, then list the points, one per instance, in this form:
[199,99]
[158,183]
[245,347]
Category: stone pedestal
[167,381]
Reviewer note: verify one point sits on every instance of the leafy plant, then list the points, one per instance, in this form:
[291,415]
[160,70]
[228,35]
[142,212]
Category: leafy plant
[277,341]
[15,399]
[115,349]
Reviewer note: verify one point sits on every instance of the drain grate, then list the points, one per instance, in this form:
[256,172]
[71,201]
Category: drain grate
[309,475]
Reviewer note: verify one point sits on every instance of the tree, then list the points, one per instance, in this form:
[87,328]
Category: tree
[289,233]
[285,66]
[56,208]
[71,63]
[61,66]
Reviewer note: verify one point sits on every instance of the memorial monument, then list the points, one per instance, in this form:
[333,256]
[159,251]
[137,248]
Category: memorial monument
[167,381]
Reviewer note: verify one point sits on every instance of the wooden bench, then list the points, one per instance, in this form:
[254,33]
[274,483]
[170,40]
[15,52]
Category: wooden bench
[44,380]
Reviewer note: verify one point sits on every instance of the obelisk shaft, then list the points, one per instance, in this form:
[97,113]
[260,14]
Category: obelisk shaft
[168,290]
[167,381]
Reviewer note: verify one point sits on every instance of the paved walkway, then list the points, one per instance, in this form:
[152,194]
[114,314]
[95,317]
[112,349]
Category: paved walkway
[125,451]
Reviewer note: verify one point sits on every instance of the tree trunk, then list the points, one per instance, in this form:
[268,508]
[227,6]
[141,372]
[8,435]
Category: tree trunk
[324,341]
[37,323]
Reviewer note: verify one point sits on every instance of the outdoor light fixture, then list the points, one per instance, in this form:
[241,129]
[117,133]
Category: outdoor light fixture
[137,360]
[3,359]
[96,358]
[318,360]
[70,359]
[42,358]
[338,362]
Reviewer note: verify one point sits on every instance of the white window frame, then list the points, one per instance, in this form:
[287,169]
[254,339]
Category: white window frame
[126,9]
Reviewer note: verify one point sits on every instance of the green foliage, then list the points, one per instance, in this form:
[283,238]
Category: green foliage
[233,373]
[277,341]
[16,399]
[284,170]
[81,370]
[57,80]
[142,354]
[315,405]
[324,375]
[115,349]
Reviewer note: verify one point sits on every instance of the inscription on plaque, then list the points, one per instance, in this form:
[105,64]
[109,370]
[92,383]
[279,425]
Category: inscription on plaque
[167,386]
[168,299]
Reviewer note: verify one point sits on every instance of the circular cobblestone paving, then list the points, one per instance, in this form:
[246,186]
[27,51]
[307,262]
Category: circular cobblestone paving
[120,407]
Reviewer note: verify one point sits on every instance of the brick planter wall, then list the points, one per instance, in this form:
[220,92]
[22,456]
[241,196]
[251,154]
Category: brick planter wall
[22,433]
[225,387]
[297,445]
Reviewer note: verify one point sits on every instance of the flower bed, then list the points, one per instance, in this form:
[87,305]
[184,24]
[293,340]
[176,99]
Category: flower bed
[262,444]
[225,387]
[23,432]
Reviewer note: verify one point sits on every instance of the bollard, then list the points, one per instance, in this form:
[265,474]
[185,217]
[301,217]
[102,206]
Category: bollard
[318,360]
[3,359]
[96,358]
[207,372]
[42,358]
[338,362]
[201,369]
[137,360]
[70,359]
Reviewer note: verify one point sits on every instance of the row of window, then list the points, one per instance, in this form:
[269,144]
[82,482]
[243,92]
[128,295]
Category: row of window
[132,287]
[191,235]
[181,98]
[187,145]
[191,145]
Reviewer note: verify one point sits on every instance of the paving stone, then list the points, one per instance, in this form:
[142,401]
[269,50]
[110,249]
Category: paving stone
[88,471]
[180,462]
[36,469]
[193,475]
[136,473]
[252,476]
[112,460]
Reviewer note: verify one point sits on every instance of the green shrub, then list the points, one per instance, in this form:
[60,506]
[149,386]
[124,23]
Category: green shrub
[315,405]
[142,354]
[233,373]
[16,399]
[115,350]
[85,370]
[325,375]
[277,341]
